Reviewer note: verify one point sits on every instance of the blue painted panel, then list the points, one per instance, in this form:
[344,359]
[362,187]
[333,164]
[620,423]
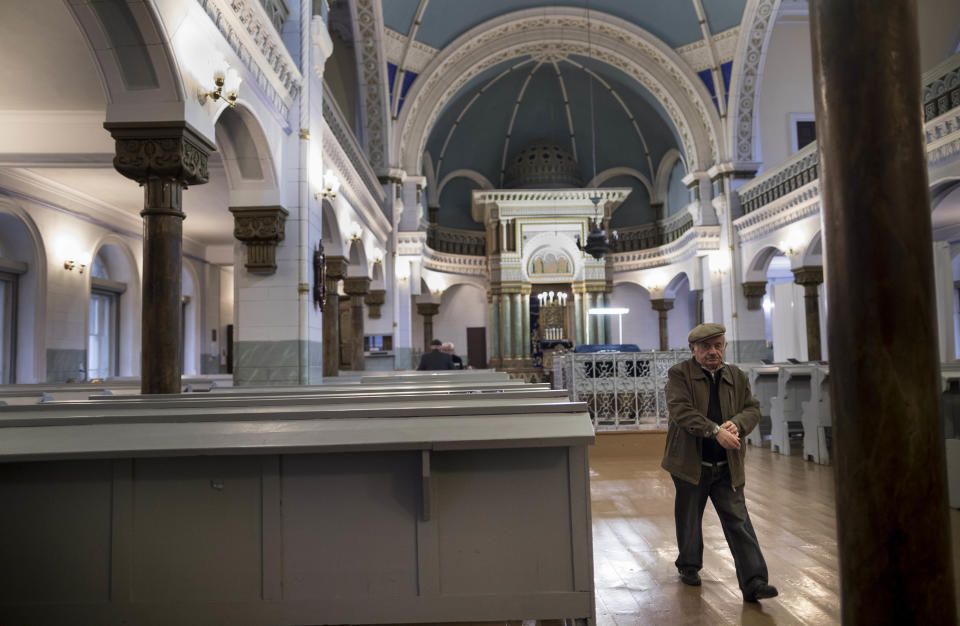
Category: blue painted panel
[678,196]
[455,204]
[391,74]
[726,69]
[672,21]
[707,77]
[408,78]
[723,14]
[399,14]
[636,209]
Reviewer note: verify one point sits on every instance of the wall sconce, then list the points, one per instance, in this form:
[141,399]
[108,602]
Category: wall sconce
[227,81]
[356,231]
[377,256]
[69,265]
[402,269]
[792,245]
[720,263]
[331,185]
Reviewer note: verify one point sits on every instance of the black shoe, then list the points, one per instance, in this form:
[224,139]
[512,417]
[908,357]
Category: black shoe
[760,591]
[690,577]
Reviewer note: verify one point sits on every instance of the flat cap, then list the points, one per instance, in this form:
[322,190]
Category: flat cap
[705,331]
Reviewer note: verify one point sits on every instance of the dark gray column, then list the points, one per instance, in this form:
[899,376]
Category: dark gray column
[357,288]
[427,310]
[892,520]
[810,278]
[336,269]
[661,306]
[164,158]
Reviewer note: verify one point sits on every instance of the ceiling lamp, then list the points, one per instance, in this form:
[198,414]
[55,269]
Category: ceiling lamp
[598,243]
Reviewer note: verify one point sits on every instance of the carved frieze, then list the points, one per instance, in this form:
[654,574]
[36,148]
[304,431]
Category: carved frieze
[168,151]
[374,300]
[261,228]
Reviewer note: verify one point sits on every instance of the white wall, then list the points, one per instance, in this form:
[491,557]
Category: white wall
[641,325]
[787,87]
[461,307]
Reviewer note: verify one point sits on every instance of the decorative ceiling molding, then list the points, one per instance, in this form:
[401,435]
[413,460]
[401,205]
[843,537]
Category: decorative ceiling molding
[616,42]
[697,54]
[419,56]
[742,133]
[368,28]
[248,29]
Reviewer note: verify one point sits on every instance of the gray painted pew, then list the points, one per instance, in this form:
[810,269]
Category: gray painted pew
[763,385]
[786,409]
[467,507]
[817,426]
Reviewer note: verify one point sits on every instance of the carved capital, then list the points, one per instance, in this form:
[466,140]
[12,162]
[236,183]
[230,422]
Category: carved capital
[810,277]
[661,304]
[171,151]
[356,285]
[261,228]
[754,292]
[337,267]
[428,309]
[374,300]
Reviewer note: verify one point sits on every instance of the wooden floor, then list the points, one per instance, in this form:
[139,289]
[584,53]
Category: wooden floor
[791,504]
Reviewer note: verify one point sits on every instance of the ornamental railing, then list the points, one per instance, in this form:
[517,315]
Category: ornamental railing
[457,241]
[277,11]
[800,169]
[348,141]
[941,88]
[654,234]
[622,390]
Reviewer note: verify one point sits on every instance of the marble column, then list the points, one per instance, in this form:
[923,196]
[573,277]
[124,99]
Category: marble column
[357,288]
[518,326]
[661,306]
[336,269]
[427,310]
[506,326]
[577,318]
[893,525]
[588,333]
[494,300]
[164,158]
[811,278]
[525,316]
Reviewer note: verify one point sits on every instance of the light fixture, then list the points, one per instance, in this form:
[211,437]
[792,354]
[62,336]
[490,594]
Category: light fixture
[618,311]
[720,263]
[331,185]
[598,242]
[403,270]
[356,231]
[70,265]
[377,256]
[792,245]
[227,81]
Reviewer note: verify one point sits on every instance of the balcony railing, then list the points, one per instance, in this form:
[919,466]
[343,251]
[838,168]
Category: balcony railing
[941,88]
[457,241]
[277,11]
[654,234]
[800,169]
[348,141]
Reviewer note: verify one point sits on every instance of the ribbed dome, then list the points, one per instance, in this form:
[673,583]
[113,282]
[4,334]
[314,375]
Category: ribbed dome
[542,165]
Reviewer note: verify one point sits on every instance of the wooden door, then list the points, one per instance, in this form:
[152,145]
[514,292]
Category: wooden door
[477,347]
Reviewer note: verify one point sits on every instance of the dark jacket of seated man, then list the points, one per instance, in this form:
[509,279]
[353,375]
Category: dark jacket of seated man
[435,359]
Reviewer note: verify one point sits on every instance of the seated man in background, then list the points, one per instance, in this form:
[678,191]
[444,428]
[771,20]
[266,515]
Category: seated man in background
[447,348]
[435,359]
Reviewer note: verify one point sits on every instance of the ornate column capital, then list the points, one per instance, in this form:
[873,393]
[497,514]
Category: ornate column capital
[166,150]
[428,309]
[261,228]
[754,291]
[374,300]
[356,285]
[337,267]
[808,275]
[661,304]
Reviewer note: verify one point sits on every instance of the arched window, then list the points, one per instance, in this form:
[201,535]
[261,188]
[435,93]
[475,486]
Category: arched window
[103,338]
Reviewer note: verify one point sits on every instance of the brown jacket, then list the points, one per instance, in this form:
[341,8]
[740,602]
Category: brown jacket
[688,396]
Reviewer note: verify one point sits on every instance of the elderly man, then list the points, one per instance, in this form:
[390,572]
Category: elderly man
[711,411]
[435,359]
[448,348]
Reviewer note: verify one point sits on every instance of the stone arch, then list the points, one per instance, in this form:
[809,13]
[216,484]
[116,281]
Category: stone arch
[613,172]
[742,138]
[147,73]
[543,242]
[332,237]
[813,251]
[246,155]
[611,40]
[473,175]
[670,291]
[664,169]
[20,241]
[357,259]
[756,270]
[123,267]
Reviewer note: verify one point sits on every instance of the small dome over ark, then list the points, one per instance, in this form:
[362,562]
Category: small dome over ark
[542,165]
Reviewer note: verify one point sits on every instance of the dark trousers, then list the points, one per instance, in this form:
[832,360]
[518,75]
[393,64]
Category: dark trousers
[732,510]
